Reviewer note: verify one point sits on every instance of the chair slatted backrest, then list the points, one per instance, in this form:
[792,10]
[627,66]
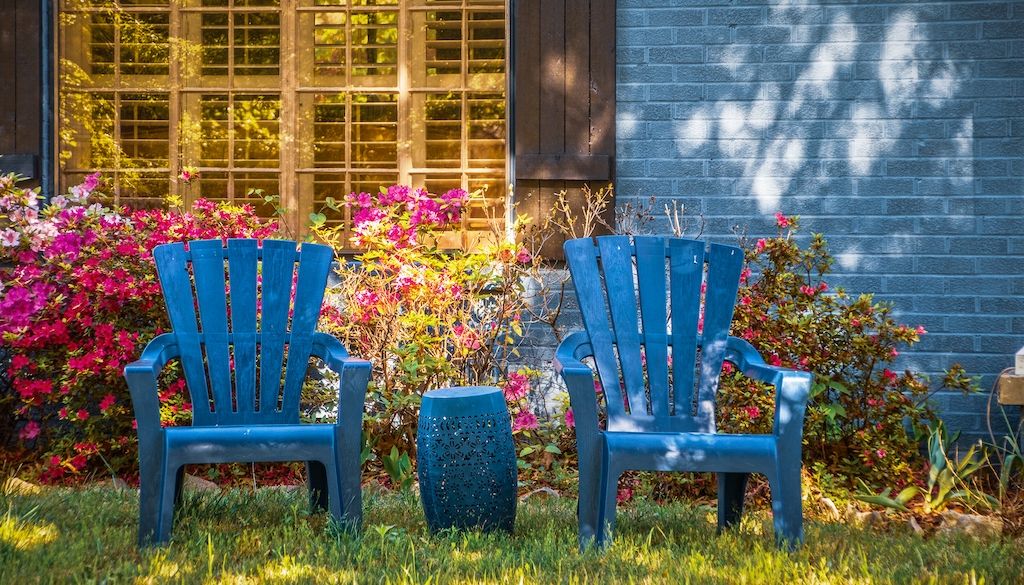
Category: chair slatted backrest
[657,311]
[258,310]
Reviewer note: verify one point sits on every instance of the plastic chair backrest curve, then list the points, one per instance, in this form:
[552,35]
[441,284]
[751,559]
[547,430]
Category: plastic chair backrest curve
[258,307]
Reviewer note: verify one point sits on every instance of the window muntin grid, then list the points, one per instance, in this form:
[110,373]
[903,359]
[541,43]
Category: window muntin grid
[307,98]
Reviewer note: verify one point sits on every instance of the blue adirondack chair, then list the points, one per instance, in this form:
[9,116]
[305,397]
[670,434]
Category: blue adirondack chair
[661,417]
[245,361]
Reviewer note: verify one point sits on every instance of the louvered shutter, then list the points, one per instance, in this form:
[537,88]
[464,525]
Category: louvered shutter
[564,101]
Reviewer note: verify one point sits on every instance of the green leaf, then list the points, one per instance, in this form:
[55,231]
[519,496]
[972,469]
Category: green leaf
[833,410]
[907,494]
[553,449]
[526,451]
[883,500]
[317,219]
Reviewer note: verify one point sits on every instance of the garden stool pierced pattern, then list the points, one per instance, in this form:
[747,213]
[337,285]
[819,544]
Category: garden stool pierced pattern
[659,368]
[256,331]
[466,459]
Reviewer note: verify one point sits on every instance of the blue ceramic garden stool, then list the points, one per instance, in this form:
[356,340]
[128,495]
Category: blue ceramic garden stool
[466,460]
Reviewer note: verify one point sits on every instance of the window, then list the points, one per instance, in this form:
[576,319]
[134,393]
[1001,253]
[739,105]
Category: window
[308,99]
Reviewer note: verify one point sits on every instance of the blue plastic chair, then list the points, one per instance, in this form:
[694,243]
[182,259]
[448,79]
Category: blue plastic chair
[661,416]
[258,311]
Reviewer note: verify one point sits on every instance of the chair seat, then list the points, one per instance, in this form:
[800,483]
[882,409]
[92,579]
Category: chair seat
[226,444]
[691,451]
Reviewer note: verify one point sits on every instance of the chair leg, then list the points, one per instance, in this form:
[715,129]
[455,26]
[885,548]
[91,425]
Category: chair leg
[317,482]
[608,496]
[787,507]
[351,492]
[588,508]
[334,490]
[731,489]
[149,501]
[168,490]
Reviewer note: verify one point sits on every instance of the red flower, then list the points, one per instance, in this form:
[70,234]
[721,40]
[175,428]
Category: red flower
[624,495]
[107,402]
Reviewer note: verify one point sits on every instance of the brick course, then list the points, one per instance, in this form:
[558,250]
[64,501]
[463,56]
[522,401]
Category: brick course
[894,128]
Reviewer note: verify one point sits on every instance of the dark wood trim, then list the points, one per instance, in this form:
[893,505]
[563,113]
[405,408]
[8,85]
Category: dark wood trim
[26,165]
[564,167]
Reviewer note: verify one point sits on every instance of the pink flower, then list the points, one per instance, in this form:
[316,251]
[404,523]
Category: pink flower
[29,431]
[920,330]
[775,360]
[624,495]
[745,301]
[524,421]
[188,174]
[881,453]
[523,257]
[517,386]
[759,247]
[570,418]
[82,414]
[744,275]
[781,220]
[107,402]
[91,182]
[9,238]
[752,412]
[808,290]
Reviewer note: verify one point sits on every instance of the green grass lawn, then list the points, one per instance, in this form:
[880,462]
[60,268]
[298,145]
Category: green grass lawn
[88,535]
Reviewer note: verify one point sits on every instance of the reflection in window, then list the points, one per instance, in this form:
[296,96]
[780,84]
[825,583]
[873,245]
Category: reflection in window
[307,99]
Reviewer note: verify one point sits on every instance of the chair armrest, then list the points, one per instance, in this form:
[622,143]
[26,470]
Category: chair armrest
[141,376]
[353,374]
[792,387]
[579,380]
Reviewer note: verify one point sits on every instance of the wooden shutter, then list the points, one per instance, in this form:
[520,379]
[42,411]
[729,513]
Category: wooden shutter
[19,101]
[564,101]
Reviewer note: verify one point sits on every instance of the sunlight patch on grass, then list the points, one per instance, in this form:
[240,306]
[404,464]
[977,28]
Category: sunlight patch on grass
[23,535]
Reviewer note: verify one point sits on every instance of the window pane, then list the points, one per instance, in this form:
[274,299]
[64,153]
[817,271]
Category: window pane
[331,118]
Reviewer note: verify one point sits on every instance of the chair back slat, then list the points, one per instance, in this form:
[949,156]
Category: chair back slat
[686,269]
[271,322]
[208,272]
[724,266]
[683,325]
[243,267]
[176,283]
[581,256]
[314,264]
[616,256]
[277,277]
[651,282]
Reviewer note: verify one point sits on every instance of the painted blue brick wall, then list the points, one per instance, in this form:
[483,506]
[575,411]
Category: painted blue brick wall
[895,128]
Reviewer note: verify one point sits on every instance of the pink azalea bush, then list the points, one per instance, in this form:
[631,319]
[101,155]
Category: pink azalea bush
[861,405]
[427,317]
[79,299]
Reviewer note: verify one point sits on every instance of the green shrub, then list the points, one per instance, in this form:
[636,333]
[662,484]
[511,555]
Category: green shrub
[865,419]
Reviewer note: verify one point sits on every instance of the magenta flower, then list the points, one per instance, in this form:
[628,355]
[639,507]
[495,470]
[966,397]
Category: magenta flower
[524,421]
[29,431]
[107,402]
